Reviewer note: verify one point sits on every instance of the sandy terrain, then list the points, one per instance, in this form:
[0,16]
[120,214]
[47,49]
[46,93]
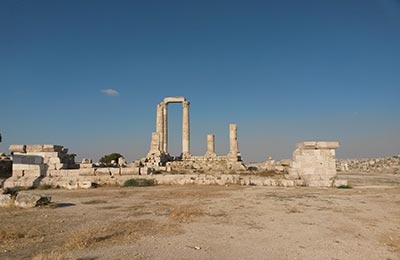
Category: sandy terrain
[210,222]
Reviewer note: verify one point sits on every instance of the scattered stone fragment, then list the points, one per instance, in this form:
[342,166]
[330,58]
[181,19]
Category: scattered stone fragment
[29,200]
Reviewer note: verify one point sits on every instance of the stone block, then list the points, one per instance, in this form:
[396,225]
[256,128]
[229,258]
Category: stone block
[87,172]
[319,183]
[144,171]
[34,148]
[328,145]
[102,171]
[130,171]
[33,173]
[85,184]
[307,145]
[17,148]
[86,165]
[54,160]
[38,167]
[27,159]
[46,155]
[287,183]
[57,166]
[28,200]
[114,171]
[72,185]
[311,152]
[338,183]
[52,148]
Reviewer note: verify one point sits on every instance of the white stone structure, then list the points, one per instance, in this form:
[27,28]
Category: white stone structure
[159,140]
[210,147]
[315,163]
[234,153]
[32,162]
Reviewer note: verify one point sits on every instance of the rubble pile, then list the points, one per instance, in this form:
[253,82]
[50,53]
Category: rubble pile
[379,165]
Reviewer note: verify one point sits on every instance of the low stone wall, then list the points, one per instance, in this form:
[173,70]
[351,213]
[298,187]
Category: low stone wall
[31,163]
[79,181]
[220,164]
[378,165]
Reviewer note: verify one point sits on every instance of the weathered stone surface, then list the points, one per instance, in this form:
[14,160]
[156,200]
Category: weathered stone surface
[315,163]
[53,148]
[85,184]
[130,171]
[29,200]
[103,171]
[87,172]
[339,183]
[17,148]
[234,153]
[27,159]
[377,165]
[86,165]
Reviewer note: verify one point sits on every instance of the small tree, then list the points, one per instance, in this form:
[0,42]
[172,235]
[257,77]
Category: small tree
[106,159]
[0,137]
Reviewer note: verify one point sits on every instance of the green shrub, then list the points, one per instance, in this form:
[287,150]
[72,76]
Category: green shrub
[344,187]
[138,183]
[106,159]
[45,187]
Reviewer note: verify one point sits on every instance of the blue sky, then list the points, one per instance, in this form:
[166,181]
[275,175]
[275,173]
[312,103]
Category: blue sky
[284,71]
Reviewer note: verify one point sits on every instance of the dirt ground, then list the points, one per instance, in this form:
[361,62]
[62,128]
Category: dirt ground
[210,222]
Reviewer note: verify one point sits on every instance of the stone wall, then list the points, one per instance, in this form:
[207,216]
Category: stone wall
[32,162]
[217,165]
[73,179]
[389,165]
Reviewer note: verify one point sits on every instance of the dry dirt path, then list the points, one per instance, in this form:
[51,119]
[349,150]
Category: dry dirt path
[210,222]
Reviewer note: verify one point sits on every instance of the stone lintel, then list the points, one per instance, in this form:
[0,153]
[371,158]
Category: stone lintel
[174,100]
[318,145]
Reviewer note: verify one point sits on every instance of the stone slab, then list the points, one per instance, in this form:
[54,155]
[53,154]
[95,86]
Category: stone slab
[17,148]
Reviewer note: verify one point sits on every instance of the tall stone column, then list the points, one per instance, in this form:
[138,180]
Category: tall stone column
[210,146]
[233,144]
[165,128]
[160,125]
[185,130]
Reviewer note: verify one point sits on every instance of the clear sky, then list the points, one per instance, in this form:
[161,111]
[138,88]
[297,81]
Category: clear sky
[88,74]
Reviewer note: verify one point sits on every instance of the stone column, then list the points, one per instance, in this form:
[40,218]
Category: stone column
[155,145]
[210,146]
[160,125]
[233,144]
[185,130]
[165,128]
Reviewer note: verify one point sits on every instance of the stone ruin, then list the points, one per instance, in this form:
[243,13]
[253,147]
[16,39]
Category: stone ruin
[159,158]
[32,162]
[313,163]
[389,165]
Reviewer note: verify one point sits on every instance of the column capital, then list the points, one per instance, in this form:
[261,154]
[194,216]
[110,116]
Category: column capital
[185,104]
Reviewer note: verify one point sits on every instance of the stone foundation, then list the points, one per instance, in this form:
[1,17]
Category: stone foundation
[71,179]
